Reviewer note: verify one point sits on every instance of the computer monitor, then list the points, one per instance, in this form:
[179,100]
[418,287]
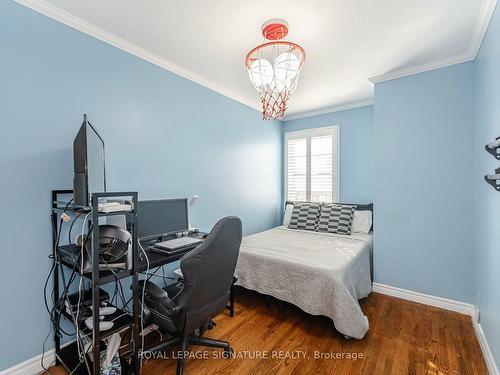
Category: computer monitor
[161,217]
[89,164]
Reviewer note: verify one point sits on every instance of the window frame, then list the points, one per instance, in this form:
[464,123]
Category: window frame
[333,130]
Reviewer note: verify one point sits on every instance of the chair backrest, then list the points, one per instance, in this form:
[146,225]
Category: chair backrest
[208,273]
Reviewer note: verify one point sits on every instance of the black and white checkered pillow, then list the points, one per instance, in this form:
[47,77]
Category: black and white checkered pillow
[336,218]
[305,216]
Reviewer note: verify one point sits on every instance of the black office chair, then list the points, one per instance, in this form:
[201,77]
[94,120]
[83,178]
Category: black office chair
[208,275]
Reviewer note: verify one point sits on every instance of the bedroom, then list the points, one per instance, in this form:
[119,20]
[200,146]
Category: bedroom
[399,101]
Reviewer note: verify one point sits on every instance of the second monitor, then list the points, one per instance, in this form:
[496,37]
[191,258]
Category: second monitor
[157,218]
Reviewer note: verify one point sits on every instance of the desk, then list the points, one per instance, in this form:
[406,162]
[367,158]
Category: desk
[161,259]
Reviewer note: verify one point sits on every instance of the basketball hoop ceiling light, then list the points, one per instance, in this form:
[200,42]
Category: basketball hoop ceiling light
[274,68]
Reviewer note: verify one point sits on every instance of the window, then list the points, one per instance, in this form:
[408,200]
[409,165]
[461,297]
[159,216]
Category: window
[311,165]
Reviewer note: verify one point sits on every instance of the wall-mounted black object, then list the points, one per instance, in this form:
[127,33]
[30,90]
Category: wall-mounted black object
[494,179]
[494,148]
[89,164]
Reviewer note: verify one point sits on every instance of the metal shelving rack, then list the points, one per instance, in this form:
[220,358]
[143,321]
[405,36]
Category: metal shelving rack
[68,356]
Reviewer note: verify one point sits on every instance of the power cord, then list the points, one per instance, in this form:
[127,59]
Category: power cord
[143,294]
[59,304]
[119,286]
[71,226]
[64,298]
[56,238]
[45,370]
[80,284]
[163,276]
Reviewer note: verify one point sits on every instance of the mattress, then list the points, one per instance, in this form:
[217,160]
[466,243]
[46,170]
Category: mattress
[321,273]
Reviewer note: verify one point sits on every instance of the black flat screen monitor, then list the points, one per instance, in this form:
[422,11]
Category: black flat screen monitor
[157,218]
[89,164]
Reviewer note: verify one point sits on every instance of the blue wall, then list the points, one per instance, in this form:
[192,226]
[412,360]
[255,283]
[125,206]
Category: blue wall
[486,200]
[165,137]
[356,151]
[423,127]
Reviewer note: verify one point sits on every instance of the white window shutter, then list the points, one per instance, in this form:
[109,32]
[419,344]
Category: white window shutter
[296,160]
[322,168]
[311,165]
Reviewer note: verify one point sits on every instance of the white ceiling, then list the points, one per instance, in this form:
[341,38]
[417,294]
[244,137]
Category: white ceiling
[346,42]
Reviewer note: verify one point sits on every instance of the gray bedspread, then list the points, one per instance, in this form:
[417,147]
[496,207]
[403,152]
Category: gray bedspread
[323,274]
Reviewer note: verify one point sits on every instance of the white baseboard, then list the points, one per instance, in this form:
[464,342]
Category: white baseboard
[426,299]
[485,348]
[32,366]
[447,304]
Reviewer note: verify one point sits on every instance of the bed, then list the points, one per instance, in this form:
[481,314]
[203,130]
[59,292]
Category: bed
[321,273]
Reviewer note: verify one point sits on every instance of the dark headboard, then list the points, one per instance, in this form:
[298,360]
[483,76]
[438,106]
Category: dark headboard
[360,207]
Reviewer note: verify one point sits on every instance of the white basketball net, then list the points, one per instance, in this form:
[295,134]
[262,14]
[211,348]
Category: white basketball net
[274,71]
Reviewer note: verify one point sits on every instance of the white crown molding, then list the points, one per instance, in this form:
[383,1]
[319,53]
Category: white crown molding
[426,299]
[295,116]
[485,348]
[79,24]
[484,18]
[483,21]
[422,68]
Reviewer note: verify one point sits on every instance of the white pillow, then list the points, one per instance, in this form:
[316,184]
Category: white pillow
[362,222]
[288,214]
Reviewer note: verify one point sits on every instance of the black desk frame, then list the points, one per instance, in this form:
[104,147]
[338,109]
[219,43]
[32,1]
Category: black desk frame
[67,356]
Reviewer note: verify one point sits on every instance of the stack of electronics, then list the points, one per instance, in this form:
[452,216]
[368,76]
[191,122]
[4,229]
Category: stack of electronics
[115,242]
[108,313]
[112,321]
[81,303]
[162,226]
[114,206]
[166,222]
[115,250]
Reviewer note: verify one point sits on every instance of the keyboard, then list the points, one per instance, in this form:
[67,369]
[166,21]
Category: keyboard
[177,243]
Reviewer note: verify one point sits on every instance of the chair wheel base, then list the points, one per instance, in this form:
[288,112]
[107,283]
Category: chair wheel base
[228,353]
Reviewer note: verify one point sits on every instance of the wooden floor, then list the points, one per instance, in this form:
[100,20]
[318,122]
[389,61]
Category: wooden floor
[404,338]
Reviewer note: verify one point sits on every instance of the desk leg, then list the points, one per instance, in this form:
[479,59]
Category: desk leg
[230,307]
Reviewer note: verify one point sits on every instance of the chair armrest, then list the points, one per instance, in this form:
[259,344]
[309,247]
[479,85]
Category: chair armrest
[153,290]
[159,296]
